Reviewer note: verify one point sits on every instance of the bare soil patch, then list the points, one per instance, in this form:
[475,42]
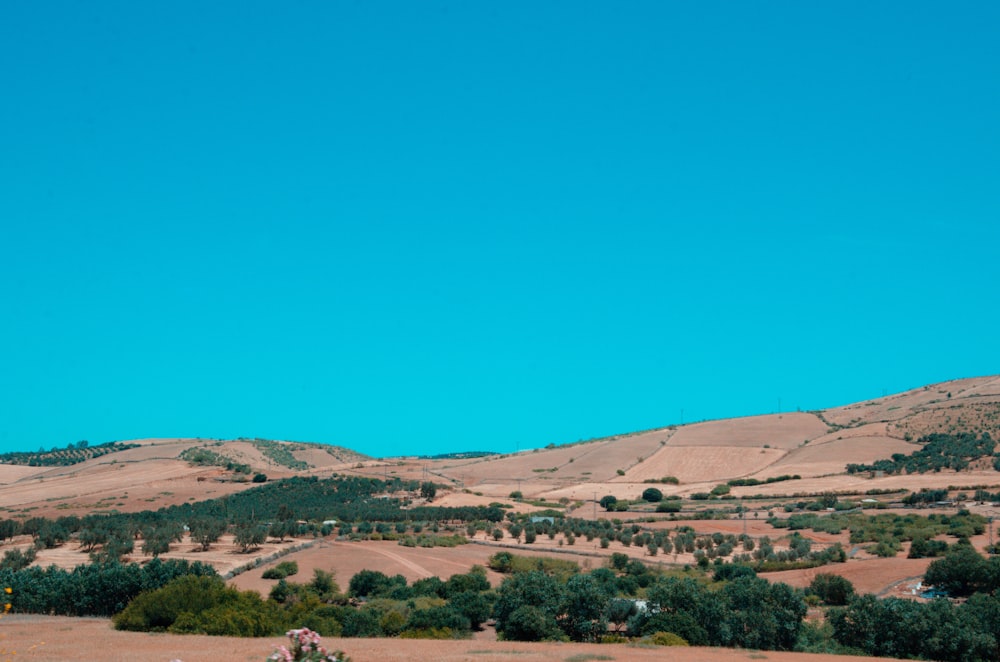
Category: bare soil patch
[776,430]
[694,464]
[873,575]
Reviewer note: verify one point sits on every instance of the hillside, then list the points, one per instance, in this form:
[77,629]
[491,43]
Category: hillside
[816,446]
[151,473]
[788,473]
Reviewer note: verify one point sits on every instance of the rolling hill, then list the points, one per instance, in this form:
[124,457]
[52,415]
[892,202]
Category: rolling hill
[815,445]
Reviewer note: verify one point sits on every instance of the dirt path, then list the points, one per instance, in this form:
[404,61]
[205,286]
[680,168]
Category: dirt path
[361,548]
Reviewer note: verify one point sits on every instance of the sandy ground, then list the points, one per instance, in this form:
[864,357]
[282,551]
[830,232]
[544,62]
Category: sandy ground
[694,464]
[57,638]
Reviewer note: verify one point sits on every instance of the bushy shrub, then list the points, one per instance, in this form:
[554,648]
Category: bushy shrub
[198,605]
[652,495]
[665,639]
[282,570]
[831,589]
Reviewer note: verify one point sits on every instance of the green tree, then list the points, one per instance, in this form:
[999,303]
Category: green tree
[156,543]
[474,606]
[652,495]
[687,609]
[249,535]
[619,611]
[961,572]
[8,529]
[438,618]
[527,606]
[831,589]
[763,615]
[475,580]
[206,531]
[584,608]
[368,583]
[531,623]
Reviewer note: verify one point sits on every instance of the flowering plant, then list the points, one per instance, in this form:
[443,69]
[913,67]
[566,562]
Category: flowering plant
[305,646]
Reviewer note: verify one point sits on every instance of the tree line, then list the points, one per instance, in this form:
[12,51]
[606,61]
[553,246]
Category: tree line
[939,451]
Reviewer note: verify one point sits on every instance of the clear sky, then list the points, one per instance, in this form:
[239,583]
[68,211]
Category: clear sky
[419,227]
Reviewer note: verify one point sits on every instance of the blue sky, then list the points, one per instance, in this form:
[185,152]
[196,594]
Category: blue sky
[427,227]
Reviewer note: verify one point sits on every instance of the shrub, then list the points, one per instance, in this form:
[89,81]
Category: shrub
[305,645]
[665,639]
[439,618]
[831,589]
[198,604]
[652,495]
[282,570]
[720,490]
[729,571]
[530,623]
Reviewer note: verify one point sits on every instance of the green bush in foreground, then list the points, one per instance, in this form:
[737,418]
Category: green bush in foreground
[203,605]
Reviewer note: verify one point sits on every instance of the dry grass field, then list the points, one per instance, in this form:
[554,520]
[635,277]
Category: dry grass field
[55,638]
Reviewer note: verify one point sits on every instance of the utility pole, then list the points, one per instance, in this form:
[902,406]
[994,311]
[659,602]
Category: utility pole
[595,510]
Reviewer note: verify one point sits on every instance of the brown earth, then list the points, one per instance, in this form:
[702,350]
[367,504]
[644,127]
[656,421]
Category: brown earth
[873,575]
[57,638]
